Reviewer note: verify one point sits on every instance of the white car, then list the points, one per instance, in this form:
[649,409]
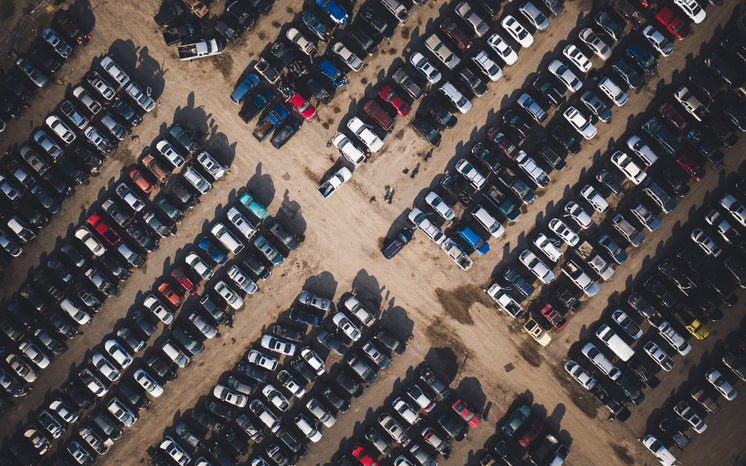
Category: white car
[322,414]
[63,411]
[406,411]
[594,198]
[60,129]
[422,65]
[579,121]
[309,428]
[348,149]
[122,412]
[470,17]
[536,266]
[686,412]
[207,330]
[312,300]
[734,207]
[276,398]
[627,166]
[692,9]
[347,56]
[470,173]
[34,354]
[195,179]
[705,242]
[95,137]
[627,324]
[564,74]
[290,384]
[665,457]
[365,134]
[577,58]
[534,16]
[105,367]
[262,360]
[114,70]
[600,361]
[549,246]
[595,43]
[517,31]
[242,280]
[199,265]
[174,451]
[439,205]
[101,86]
[346,326]
[657,40]
[147,382]
[230,296]
[417,217]
[642,150]
[455,96]
[580,375]
[129,197]
[268,418]
[357,310]
[211,166]
[86,237]
[502,49]
[117,353]
[313,360]
[659,356]
[242,224]
[721,385]
[487,66]
[169,153]
[573,209]
[563,231]
[300,41]
[223,393]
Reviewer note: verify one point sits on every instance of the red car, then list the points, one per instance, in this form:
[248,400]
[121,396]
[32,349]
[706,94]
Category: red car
[673,116]
[554,317]
[302,106]
[458,36]
[183,280]
[359,453]
[466,413]
[675,25]
[170,293]
[388,94]
[501,140]
[141,181]
[111,236]
[651,4]
[691,166]
[533,431]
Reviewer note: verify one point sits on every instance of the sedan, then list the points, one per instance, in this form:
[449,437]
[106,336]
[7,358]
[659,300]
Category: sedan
[579,121]
[60,129]
[502,49]
[46,143]
[228,395]
[734,207]
[422,65]
[627,324]
[230,296]
[278,345]
[572,209]
[536,266]
[705,242]
[471,18]
[268,251]
[563,231]
[346,326]
[100,85]
[580,375]
[147,382]
[642,150]
[388,94]
[117,353]
[533,108]
[659,356]
[517,31]
[577,57]
[595,43]
[657,40]
[627,166]
[721,385]
[439,205]
[564,74]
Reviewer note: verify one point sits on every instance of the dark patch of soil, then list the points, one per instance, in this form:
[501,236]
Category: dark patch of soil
[393,51]
[405,32]
[399,135]
[224,64]
[529,352]
[457,302]
[622,453]
[440,334]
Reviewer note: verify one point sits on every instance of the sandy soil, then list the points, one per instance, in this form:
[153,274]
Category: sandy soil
[481,351]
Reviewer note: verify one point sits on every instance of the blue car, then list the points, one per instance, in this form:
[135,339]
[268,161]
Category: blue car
[330,71]
[474,240]
[243,89]
[336,13]
[214,253]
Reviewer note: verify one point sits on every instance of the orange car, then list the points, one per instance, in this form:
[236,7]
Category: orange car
[171,294]
[141,181]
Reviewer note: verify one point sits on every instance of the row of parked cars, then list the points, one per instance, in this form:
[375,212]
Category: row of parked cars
[255,400]
[421,419]
[83,130]
[125,382]
[34,68]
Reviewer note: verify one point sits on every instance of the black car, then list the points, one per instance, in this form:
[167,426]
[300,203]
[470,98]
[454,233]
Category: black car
[472,81]
[88,297]
[451,426]
[73,255]
[258,270]
[284,133]
[33,296]
[706,83]
[296,446]
[488,158]
[8,108]
[220,409]
[125,112]
[59,185]
[362,40]
[44,199]
[339,403]
[565,138]
[552,159]
[205,421]
[376,21]
[182,195]
[45,59]
[551,92]
[391,342]
[427,130]
[113,267]
[58,270]
[34,216]
[393,246]
[78,394]
[312,317]
[656,288]
[143,237]
[348,384]
[721,129]
[519,126]
[144,323]
[241,18]
[627,72]
[251,371]
[439,112]
[303,369]
[72,170]
[288,333]
[734,112]
[62,326]
[676,181]
[15,87]
[160,367]
[722,69]
[236,441]
[133,394]
[704,145]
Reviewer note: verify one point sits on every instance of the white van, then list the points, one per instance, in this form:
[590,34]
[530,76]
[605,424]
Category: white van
[599,360]
[613,92]
[615,343]
[489,222]
[226,238]
[175,354]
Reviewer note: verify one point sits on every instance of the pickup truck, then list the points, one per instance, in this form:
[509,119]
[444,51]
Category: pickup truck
[628,12]
[594,259]
[200,50]
[270,122]
[505,301]
[182,136]
[507,207]
[229,34]
[183,32]
[169,13]
[333,183]
[537,333]
[457,254]
[580,278]
[267,71]
[198,8]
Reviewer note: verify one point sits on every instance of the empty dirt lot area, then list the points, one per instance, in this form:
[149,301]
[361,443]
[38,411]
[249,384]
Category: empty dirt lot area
[441,312]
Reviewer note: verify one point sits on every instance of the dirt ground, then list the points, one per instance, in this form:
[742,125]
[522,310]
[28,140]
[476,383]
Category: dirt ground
[455,327]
